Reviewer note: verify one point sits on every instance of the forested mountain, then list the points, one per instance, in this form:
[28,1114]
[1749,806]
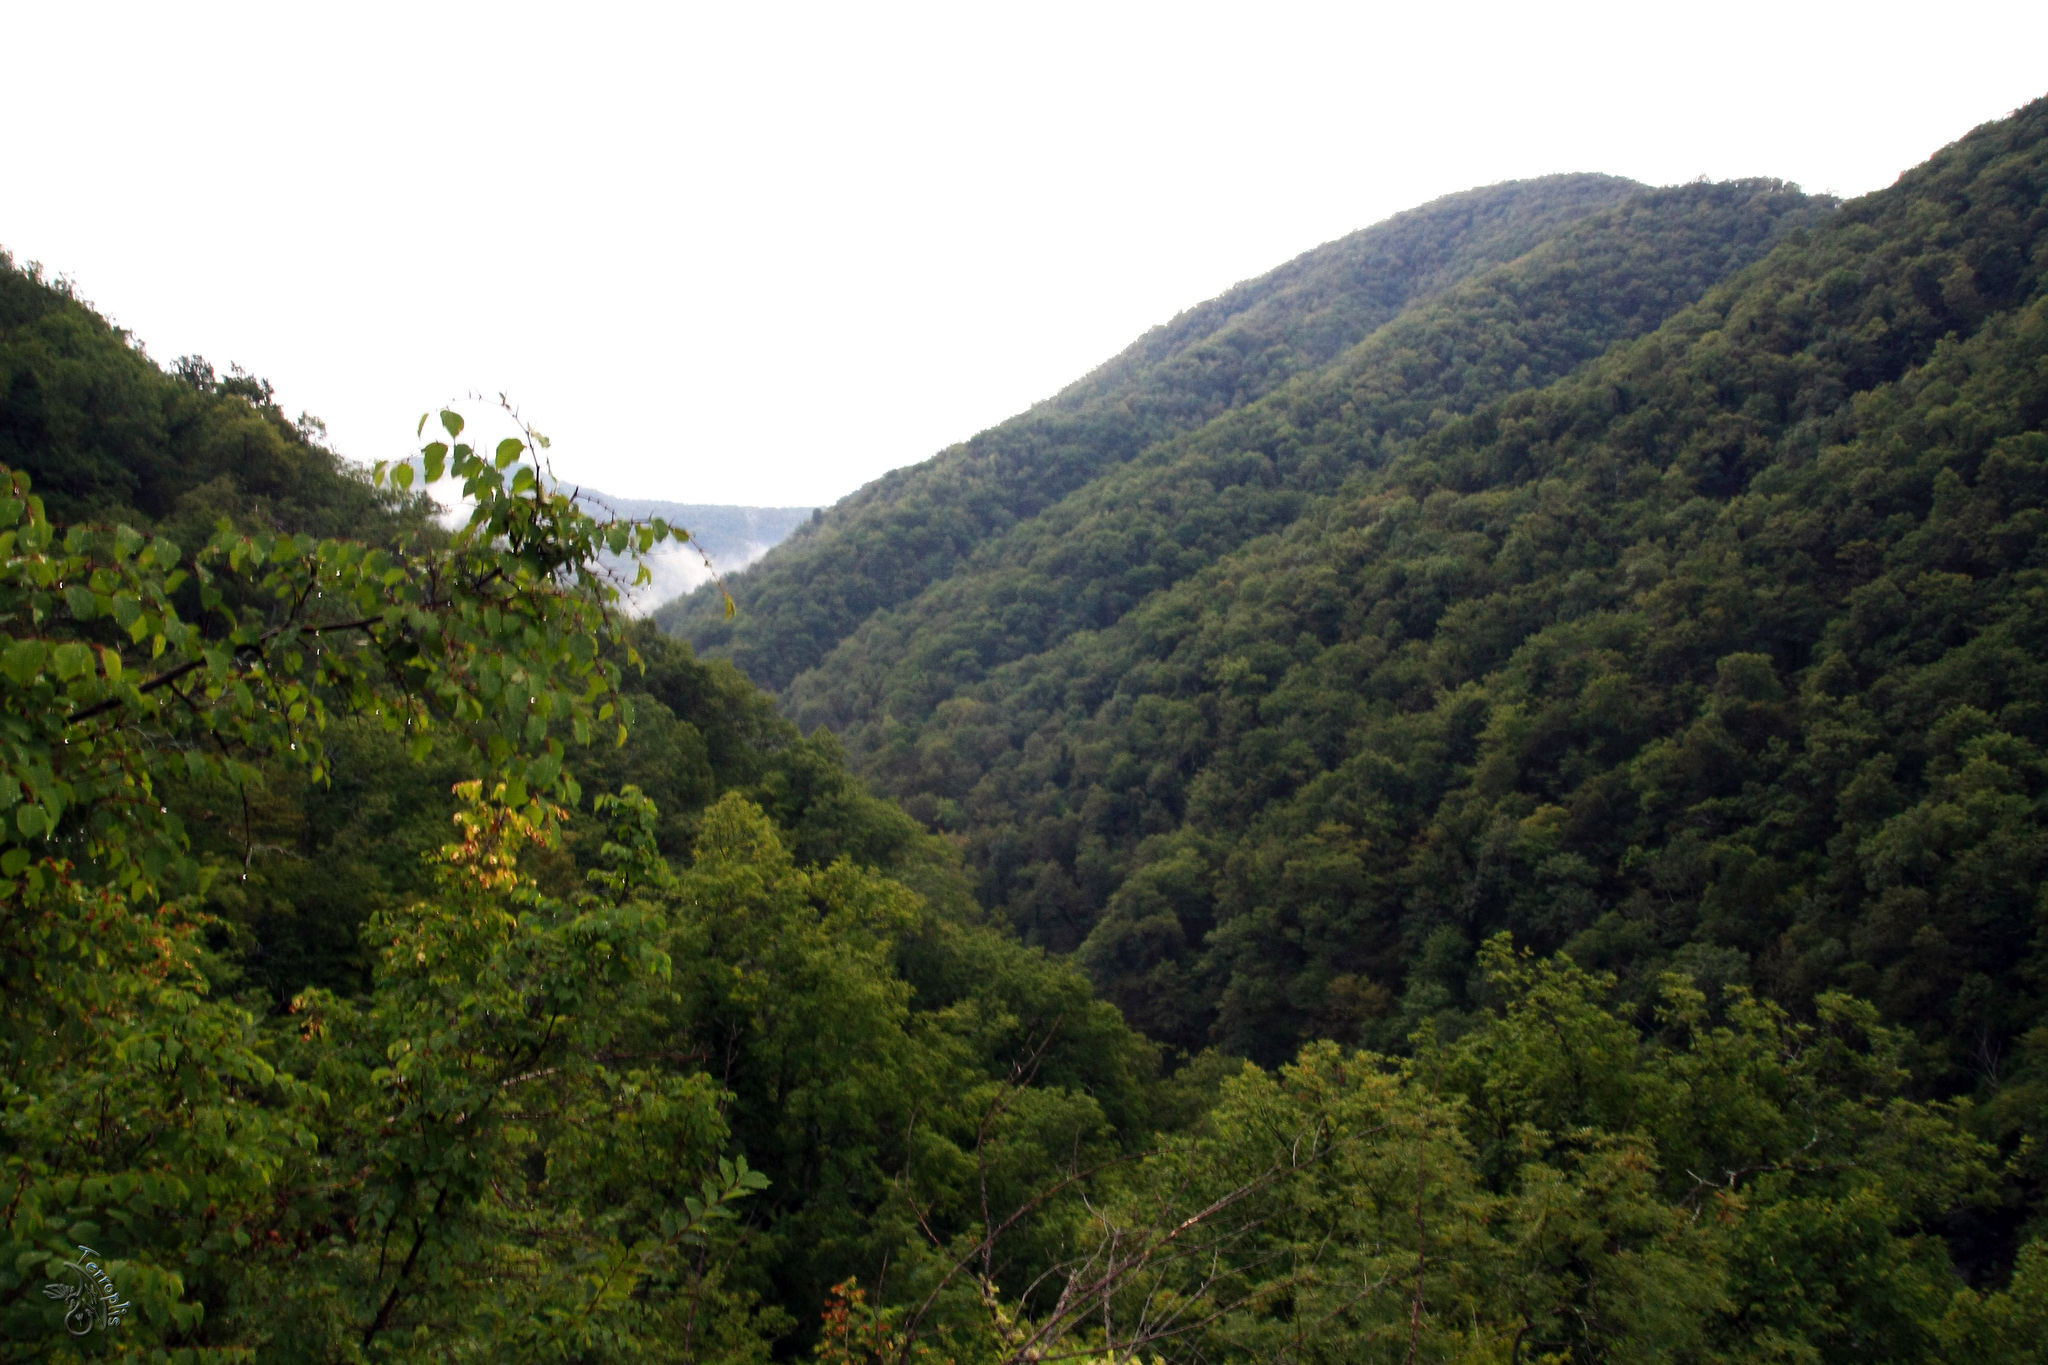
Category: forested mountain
[1558,776]
[1088,559]
[1487,682]
[915,526]
[1514,674]
[1119,700]
[1662,596]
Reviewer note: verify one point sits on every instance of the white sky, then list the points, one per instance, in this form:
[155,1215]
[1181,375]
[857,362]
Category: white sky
[761,254]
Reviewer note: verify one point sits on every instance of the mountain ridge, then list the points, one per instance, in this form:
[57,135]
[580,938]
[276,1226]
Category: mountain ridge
[1617,271]
[1272,722]
[1281,781]
[914,526]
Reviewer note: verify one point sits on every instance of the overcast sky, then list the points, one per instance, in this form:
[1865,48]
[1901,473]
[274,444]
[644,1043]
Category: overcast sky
[763,253]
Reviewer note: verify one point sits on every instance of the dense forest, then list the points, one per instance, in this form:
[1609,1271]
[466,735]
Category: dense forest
[1457,635]
[1476,799]
[1513,670]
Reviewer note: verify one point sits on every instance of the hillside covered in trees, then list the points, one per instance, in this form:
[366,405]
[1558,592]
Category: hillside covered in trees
[1238,621]
[1476,799]
[916,526]
[1647,596]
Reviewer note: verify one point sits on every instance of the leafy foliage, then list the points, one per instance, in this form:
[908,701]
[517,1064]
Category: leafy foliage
[1554,1185]
[153,1105]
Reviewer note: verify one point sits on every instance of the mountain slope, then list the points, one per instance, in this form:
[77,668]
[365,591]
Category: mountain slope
[914,526]
[1725,652]
[1146,525]
[103,431]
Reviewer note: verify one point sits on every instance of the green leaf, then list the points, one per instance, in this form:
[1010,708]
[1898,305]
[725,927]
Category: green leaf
[402,476]
[452,420]
[71,659]
[509,450]
[435,459]
[31,821]
[24,660]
